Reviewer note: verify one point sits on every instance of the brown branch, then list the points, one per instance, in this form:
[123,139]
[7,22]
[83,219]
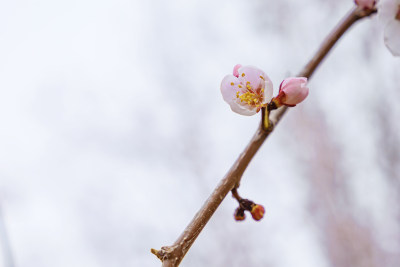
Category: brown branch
[171,256]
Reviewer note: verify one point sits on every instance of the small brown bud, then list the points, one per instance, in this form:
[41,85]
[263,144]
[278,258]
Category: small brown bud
[239,214]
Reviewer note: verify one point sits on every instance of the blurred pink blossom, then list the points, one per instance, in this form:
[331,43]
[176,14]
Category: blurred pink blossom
[389,15]
[247,90]
[367,4]
[292,91]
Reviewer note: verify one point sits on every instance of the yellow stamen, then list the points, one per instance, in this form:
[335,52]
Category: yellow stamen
[232,83]
[239,86]
[262,77]
[249,98]
[243,74]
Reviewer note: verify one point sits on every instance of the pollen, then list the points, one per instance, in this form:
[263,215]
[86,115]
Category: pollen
[248,97]
[240,86]
[262,77]
[232,83]
[243,74]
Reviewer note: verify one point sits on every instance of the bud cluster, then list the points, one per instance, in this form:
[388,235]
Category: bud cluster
[365,4]
[257,211]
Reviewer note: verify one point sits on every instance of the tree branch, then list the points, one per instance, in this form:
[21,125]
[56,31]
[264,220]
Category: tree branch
[171,256]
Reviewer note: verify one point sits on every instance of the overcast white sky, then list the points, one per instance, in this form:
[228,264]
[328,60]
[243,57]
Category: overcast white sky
[113,131]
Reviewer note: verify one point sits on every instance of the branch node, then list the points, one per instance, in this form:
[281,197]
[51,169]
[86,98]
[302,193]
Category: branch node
[164,253]
[159,253]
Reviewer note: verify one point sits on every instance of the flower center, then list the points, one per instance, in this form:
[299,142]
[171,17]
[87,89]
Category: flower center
[250,97]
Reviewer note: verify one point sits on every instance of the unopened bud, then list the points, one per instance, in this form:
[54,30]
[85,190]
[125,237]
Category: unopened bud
[365,4]
[236,70]
[291,92]
[257,212]
[239,214]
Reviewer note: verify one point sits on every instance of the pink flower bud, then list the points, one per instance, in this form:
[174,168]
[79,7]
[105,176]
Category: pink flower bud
[236,70]
[292,91]
[365,4]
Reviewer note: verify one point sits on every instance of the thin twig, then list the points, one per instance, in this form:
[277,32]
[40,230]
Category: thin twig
[235,194]
[171,256]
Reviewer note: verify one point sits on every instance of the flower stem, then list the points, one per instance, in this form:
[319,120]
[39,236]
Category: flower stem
[266,124]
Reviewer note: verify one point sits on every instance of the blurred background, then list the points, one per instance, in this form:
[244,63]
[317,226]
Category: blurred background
[113,133]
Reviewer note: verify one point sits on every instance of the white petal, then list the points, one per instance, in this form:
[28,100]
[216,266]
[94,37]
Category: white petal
[251,74]
[387,10]
[228,90]
[268,90]
[242,110]
[392,37]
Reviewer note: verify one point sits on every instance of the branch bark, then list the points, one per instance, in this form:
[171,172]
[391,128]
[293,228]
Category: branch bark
[171,256]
